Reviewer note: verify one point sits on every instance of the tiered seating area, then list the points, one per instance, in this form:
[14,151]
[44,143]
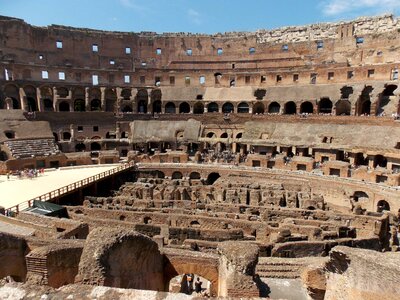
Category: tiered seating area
[32,148]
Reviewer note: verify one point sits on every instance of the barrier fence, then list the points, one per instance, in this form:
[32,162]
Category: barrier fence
[67,188]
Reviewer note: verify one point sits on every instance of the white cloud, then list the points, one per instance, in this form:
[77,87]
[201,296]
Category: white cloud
[131,4]
[194,16]
[341,7]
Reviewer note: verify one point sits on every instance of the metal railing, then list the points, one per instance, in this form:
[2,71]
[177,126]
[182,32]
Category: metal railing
[67,188]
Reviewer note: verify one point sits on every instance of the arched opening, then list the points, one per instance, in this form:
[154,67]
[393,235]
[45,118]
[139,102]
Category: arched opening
[258,108]
[15,103]
[198,108]
[142,107]
[63,106]
[306,108]
[290,108]
[212,107]
[177,175]
[95,105]
[55,136]
[212,177]
[157,107]
[282,202]
[343,108]
[66,136]
[3,156]
[9,134]
[243,108]
[48,105]
[127,109]
[325,106]
[147,220]
[190,283]
[382,206]
[195,224]
[380,161]
[31,104]
[159,174]
[111,100]
[80,147]
[360,159]
[194,175]
[184,108]
[170,108]
[126,94]
[360,195]
[79,105]
[95,146]
[224,135]
[364,102]
[274,108]
[227,108]
[239,135]
[365,108]
[12,91]
[384,99]
[210,135]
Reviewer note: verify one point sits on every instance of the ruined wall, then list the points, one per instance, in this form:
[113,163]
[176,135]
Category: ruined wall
[12,256]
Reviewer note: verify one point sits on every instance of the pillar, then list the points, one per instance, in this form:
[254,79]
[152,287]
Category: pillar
[22,96]
[87,99]
[55,98]
[103,98]
[39,99]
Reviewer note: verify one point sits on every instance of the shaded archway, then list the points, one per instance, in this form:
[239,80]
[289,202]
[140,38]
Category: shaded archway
[66,136]
[142,107]
[184,108]
[343,108]
[258,108]
[170,108]
[325,106]
[212,177]
[290,108]
[227,108]
[243,108]
[274,108]
[48,105]
[363,106]
[79,105]
[95,105]
[198,108]
[212,107]
[142,98]
[63,106]
[384,99]
[177,175]
[95,146]
[380,161]
[195,175]
[31,104]
[382,205]
[157,107]
[80,147]
[111,100]
[306,107]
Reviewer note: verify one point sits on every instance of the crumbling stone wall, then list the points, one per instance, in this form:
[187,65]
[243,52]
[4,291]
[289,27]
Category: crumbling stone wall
[12,256]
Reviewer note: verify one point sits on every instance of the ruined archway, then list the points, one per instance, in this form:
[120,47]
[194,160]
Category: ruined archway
[227,108]
[243,108]
[212,177]
[274,108]
[290,108]
[306,108]
[157,107]
[184,108]
[258,108]
[170,108]
[198,108]
[63,106]
[325,106]
[177,175]
[382,205]
[195,175]
[95,105]
[212,107]
[79,105]
[343,108]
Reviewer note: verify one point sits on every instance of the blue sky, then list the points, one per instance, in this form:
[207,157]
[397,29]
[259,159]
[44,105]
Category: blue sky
[204,16]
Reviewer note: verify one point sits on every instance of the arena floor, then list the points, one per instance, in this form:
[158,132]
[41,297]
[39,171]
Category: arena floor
[14,191]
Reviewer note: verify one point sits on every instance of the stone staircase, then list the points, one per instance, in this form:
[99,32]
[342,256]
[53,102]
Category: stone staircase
[282,268]
[32,148]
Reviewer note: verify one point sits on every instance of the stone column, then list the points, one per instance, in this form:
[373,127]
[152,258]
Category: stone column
[133,99]
[72,131]
[55,98]
[87,99]
[22,96]
[103,98]
[39,100]
[9,103]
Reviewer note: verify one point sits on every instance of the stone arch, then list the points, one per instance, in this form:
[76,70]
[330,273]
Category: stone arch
[363,105]
[79,105]
[195,175]
[198,108]
[157,107]
[384,99]
[258,108]
[105,261]
[63,106]
[142,99]
[380,161]
[211,134]
[224,135]
[3,156]
[204,267]
[80,147]
[382,205]
[212,177]
[170,108]
[48,105]
[126,94]
[274,108]
[177,175]
[243,108]
[306,107]
[95,146]
[227,107]
[95,105]
[360,195]
[184,108]
[325,106]
[62,92]
[156,95]
[212,107]
[290,108]
[343,108]
[12,91]
[111,100]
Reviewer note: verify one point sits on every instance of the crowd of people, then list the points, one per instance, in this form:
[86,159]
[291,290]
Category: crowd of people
[26,173]
[190,285]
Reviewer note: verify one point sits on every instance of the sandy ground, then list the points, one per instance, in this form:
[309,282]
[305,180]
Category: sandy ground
[15,191]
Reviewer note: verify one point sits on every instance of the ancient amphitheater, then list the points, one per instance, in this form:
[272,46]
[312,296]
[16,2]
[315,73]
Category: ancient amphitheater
[261,164]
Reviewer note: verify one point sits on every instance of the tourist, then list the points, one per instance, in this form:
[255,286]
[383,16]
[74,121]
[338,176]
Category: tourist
[197,285]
